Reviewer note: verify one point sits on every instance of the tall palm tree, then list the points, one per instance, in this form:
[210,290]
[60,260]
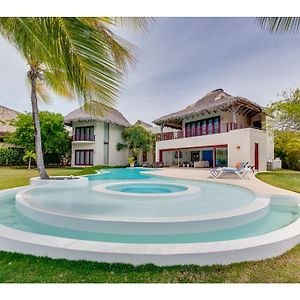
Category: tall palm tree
[280,24]
[78,58]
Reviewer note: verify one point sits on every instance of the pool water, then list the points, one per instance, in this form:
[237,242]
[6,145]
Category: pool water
[149,188]
[214,198]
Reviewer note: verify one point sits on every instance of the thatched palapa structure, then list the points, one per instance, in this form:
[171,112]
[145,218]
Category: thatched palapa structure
[215,100]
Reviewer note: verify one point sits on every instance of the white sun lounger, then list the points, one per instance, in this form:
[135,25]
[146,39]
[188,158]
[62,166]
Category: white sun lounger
[242,172]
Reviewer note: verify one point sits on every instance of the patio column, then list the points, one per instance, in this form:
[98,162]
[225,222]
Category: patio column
[214,157]
[177,158]
[161,131]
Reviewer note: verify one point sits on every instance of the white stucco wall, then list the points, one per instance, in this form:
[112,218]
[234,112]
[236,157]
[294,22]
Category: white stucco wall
[115,137]
[240,144]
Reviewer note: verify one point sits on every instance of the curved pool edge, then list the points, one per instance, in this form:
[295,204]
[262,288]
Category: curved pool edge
[224,252]
[208,253]
[139,225]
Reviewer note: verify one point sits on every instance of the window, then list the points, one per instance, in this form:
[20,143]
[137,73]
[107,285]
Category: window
[203,127]
[106,132]
[210,126]
[105,154]
[84,133]
[217,125]
[106,144]
[221,157]
[84,157]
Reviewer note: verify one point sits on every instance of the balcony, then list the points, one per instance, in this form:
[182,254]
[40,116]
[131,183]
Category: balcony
[208,130]
[83,138]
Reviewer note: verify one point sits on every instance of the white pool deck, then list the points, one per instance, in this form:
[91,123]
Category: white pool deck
[252,183]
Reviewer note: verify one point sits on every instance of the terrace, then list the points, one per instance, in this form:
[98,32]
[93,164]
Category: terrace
[202,131]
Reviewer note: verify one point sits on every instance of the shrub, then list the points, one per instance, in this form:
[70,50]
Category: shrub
[11,156]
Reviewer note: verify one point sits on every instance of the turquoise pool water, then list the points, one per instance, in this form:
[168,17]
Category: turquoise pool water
[214,198]
[146,188]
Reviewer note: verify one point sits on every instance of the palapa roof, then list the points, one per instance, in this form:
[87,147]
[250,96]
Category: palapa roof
[215,100]
[7,115]
[142,123]
[110,115]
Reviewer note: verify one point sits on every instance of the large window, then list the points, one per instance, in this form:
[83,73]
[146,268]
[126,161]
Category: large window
[85,133]
[203,127]
[106,144]
[221,157]
[84,157]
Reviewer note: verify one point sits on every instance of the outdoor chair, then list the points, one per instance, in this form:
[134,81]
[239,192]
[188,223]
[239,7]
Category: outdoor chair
[242,170]
[157,164]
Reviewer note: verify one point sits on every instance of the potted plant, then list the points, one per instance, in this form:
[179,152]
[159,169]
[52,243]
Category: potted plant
[131,161]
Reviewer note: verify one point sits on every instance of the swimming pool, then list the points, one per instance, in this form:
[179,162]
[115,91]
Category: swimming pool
[149,217]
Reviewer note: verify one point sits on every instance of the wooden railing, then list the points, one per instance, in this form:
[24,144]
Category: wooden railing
[200,131]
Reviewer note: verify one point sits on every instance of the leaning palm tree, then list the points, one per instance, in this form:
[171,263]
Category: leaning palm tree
[78,58]
[280,24]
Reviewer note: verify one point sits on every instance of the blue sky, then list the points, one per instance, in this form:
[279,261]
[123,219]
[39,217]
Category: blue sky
[180,60]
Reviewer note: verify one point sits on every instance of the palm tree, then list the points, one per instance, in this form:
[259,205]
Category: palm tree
[280,24]
[29,155]
[78,58]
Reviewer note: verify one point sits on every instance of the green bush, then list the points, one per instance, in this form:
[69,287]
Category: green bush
[11,156]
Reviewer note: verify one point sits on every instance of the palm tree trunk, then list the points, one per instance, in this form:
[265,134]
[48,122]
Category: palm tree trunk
[33,75]
[29,162]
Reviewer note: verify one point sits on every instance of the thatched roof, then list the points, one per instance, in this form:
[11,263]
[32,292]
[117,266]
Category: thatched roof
[111,116]
[211,102]
[7,115]
[142,123]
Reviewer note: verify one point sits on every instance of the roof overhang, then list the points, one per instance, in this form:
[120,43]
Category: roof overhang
[240,106]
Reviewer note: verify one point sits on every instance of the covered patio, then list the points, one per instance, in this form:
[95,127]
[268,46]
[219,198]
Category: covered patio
[201,157]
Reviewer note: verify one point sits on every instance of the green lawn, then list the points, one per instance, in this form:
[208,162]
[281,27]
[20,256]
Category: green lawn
[286,179]
[19,176]
[26,268]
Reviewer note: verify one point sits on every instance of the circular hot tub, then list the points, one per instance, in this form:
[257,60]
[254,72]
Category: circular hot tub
[146,189]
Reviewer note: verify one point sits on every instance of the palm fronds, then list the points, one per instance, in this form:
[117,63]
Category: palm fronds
[280,24]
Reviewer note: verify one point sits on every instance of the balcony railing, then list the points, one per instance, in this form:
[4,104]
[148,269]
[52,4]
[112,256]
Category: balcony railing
[208,130]
[84,137]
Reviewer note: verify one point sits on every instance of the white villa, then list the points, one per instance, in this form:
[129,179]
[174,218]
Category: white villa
[217,130]
[94,138]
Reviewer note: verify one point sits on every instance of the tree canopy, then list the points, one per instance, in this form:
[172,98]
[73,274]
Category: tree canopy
[78,57]
[286,112]
[55,139]
[137,138]
[285,123]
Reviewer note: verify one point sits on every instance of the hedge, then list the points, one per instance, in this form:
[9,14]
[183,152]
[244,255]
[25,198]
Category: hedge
[11,156]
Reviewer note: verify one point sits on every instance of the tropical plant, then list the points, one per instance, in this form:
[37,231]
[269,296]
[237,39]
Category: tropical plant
[285,113]
[75,57]
[29,155]
[280,24]
[131,160]
[137,138]
[56,142]
[11,156]
[287,147]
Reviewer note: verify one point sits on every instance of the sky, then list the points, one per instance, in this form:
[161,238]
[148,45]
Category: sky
[179,60]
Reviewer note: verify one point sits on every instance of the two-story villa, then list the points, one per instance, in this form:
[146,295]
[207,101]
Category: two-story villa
[94,138]
[219,128]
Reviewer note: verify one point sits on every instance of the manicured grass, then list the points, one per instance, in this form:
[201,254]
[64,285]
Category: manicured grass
[18,176]
[286,179]
[19,268]
[26,268]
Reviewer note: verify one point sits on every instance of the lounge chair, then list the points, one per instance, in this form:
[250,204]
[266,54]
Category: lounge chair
[242,170]
[145,164]
[157,164]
